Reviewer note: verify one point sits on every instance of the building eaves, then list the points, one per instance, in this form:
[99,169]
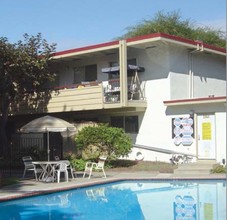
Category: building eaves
[177,40]
[87,49]
[138,40]
[206,100]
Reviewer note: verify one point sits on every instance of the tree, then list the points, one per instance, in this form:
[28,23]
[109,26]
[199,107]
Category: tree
[172,23]
[24,71]
[102,139]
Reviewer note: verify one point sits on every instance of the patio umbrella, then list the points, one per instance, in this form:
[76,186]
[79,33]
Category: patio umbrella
[48,124]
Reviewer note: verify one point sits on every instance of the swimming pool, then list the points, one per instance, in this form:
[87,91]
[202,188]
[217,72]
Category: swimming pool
[130,200]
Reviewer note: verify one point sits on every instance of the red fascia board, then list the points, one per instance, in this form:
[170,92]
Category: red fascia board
[176,38]
[134,39]
[194,100]
[86,48]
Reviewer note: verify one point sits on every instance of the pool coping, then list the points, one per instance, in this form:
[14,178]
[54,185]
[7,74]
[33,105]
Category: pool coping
[33,188]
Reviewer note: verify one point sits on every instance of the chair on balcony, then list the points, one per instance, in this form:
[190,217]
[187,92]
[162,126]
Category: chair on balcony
[90,166]
[29,166]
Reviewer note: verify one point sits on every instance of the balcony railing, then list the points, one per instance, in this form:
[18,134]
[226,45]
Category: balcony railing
[77,97]
[112,90]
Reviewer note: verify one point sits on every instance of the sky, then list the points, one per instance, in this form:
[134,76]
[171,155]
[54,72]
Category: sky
[77,23]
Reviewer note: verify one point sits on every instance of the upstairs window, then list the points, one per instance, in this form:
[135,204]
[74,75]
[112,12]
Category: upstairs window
[85,73]
[91,73]
[114,76]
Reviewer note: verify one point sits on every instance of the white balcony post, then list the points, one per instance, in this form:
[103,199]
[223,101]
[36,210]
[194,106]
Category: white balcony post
[123,72]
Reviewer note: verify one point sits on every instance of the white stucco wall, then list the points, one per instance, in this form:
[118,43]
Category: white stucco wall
[156,128]
[179,73]
[220,118]
[209,75]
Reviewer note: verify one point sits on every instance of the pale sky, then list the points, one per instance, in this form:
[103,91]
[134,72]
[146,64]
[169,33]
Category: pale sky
[78,23]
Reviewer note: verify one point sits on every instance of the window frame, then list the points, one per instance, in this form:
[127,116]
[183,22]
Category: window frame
[123,125]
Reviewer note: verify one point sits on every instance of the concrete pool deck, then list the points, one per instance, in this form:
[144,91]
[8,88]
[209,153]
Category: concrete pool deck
[28,187]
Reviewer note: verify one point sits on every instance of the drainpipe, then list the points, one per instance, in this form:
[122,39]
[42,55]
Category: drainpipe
[199,48]
[123,72]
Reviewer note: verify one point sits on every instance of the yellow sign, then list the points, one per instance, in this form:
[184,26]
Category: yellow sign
[208,211]
[206,131]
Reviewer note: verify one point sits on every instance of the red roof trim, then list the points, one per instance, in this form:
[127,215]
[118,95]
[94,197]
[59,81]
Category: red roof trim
[176,38]
[194,100]
[86,48]
[148,36]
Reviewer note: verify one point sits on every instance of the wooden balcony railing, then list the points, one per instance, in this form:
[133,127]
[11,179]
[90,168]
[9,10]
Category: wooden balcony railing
[77,97]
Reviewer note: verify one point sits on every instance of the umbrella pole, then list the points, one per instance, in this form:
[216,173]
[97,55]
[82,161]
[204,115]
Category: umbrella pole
[48,147]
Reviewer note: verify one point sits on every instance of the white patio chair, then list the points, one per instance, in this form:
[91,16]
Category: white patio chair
[90,166]
[61,167]
[29,166]
[69,167]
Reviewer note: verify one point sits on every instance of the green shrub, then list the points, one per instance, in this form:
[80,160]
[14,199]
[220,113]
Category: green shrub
[95,141]
[78,164]
[219,169]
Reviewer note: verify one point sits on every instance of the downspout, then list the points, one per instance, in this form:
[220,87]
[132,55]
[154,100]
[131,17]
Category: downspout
[199,48]
[123,72]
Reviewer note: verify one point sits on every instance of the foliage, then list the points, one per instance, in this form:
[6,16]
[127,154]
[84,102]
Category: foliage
[6,181]
[102,139]
[24,71]
[219,169]
[76,163]
[172,23]
[123,163]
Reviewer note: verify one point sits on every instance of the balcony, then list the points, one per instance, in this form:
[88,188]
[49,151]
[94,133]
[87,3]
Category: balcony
[112,91]
[80,97]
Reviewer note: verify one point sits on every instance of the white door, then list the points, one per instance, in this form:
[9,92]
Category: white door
[206,136]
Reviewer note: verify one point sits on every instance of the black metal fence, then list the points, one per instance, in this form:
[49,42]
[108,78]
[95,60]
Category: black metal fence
[22,145]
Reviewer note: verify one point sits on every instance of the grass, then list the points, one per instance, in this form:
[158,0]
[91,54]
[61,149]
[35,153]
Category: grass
[133,166]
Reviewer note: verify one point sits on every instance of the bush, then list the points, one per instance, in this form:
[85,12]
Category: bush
[95,141]
[78,164]
[219,169]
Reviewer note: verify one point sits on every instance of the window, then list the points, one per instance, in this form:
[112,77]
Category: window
[117,122]
[116,75]
[131,62]
[85,73]
[128,123]
[91,73]
[78,74]
[131,124]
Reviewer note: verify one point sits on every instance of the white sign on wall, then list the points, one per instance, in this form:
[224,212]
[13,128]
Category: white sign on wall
[183,131]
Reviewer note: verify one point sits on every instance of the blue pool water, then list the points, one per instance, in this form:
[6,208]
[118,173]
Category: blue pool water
[126,200]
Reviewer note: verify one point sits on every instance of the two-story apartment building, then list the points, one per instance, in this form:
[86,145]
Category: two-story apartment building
[167,92]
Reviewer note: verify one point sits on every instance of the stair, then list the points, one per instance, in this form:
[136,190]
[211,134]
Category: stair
[198,168]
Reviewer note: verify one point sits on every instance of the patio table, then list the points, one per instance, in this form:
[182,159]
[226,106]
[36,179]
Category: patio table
[47,174]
